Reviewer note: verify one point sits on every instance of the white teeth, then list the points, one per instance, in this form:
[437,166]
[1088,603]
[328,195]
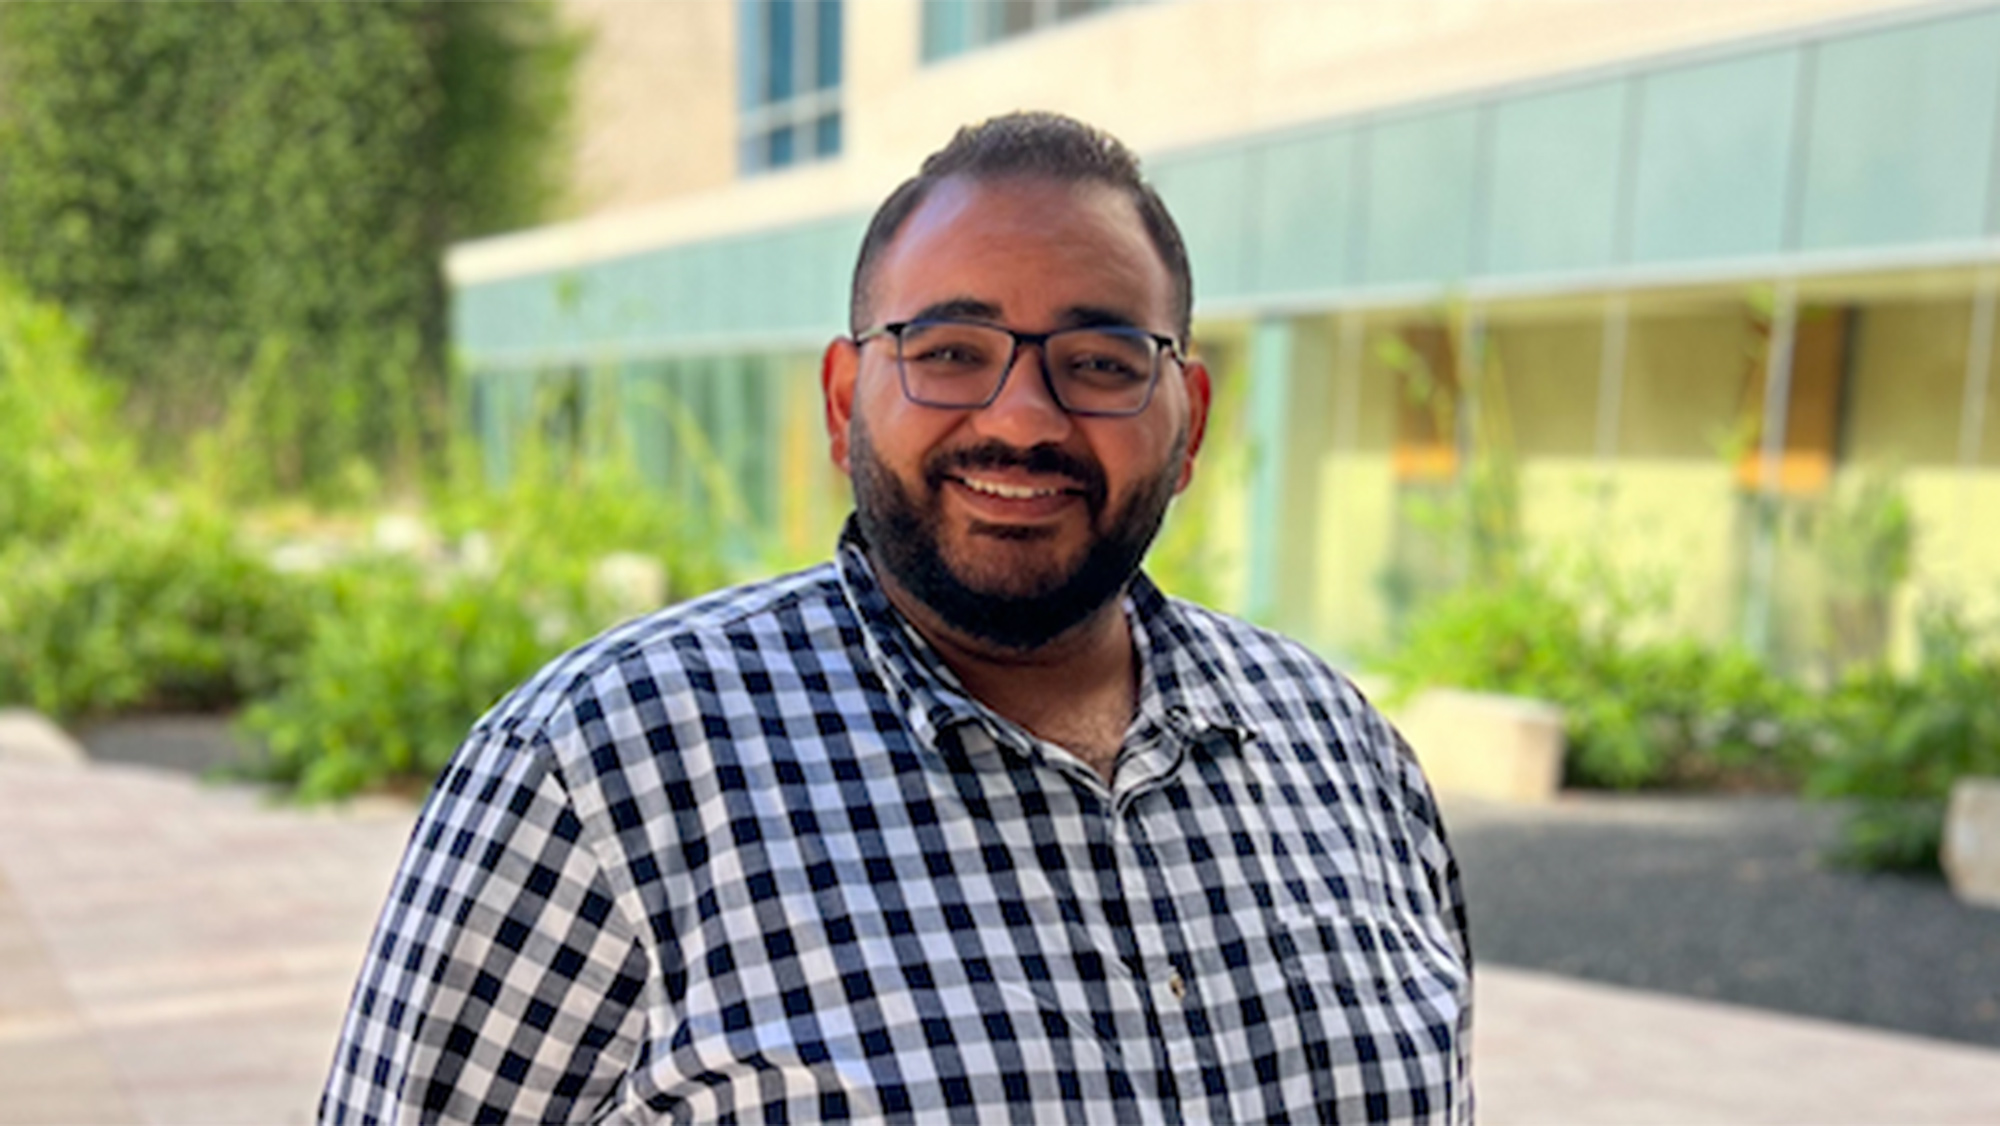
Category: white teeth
[1010,492]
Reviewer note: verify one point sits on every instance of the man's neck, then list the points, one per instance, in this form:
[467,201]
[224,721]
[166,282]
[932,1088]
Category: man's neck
[1078,690]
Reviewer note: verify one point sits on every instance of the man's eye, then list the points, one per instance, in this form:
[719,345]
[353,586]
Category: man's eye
[949,355]
[1099,368]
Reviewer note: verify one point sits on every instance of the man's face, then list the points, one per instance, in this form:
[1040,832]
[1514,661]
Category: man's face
[1014,521]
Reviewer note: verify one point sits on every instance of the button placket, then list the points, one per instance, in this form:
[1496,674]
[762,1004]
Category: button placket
[1169,993]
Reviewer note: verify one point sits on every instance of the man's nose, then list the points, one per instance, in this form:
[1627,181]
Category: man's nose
[1025,413]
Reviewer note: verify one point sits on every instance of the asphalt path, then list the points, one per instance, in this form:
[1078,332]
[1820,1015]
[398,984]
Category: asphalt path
[1727,899]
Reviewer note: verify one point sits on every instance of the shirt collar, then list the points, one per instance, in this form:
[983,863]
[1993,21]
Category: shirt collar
[1180,681]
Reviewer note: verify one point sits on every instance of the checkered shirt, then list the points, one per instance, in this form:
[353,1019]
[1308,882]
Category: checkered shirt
[759,858]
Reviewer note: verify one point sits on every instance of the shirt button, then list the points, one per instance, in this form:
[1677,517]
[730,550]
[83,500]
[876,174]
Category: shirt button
[1176,986]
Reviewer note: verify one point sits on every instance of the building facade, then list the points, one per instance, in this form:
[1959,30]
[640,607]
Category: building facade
[1663,285]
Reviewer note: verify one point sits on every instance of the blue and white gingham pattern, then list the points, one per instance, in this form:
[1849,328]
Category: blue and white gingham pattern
[760,859]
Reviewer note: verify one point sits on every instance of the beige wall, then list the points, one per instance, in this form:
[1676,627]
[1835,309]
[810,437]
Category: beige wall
[655,102]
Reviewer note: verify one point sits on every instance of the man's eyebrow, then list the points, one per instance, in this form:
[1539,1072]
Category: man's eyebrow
[974,309]
[1093,316]
[959,309]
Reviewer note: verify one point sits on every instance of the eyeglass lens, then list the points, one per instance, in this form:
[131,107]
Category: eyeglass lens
[952,364]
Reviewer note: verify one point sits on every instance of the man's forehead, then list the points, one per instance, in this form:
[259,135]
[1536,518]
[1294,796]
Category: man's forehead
[963,220]
[1016,197]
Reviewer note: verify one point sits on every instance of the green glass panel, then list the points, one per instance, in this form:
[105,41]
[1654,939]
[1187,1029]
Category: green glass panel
[746,272]
[807,271]
[568,296]
[705,277]
[945,30]
[1714,149]
[1304,214]
[823,300]
[1206,194]
[610,314]
[1555,180]
[1422,177]
[479,317]
[678,302]
[789,280]
[1901,134]
[793,271]
[507,315]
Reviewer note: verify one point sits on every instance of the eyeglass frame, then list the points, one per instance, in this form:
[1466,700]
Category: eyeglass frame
[1167,347]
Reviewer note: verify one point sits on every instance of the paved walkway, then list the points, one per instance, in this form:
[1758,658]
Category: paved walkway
[172,952]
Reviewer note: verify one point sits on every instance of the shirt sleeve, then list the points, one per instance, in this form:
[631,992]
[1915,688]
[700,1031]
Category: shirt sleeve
[502,982]
[1440,866]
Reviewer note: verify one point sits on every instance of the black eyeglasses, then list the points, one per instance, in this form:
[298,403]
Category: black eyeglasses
[961,365]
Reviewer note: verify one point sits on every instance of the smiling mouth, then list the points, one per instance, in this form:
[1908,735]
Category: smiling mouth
[1014,492]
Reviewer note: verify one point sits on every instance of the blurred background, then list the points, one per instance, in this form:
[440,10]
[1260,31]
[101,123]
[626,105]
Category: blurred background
[1633,359]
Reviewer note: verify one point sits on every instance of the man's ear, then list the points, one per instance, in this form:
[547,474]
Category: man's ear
[838,367]
[1198,394]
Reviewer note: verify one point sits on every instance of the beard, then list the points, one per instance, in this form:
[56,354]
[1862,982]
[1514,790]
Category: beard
[1021,610]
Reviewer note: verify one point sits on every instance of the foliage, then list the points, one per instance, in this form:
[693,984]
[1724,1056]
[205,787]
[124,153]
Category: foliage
[406,654]
[398,666]
[1866,536]
[117,593]
[113,594]
[1899,742]
[1636,713]
[1865,540]
[213,189]
[61,453]
[167,611]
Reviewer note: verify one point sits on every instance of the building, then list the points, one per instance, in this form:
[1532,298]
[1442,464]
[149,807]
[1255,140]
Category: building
[1665,282]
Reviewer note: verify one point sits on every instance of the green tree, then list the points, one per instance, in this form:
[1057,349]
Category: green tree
[246,205]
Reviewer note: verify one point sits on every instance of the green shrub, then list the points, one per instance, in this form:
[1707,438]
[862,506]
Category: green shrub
[158,610]
[404,655]
[1636,714]
[61,453]
[1681,714]
[1899,742]
[399,665]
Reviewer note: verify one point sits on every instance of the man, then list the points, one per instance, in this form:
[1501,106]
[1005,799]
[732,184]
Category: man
[970,824]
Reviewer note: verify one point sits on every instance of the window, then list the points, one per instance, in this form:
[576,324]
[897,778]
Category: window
[1820,345]
[1424,360]
[952,27]
[788,80]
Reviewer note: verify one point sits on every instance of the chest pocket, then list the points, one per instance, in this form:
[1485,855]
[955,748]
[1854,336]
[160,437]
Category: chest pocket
[1363,957]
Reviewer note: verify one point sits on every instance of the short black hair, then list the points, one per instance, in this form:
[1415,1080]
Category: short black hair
[1035,145]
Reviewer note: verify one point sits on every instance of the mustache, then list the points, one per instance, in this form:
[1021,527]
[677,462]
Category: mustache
[994,454]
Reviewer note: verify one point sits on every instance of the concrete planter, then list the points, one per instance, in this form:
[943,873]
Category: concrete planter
[1500,747]
[1971,853]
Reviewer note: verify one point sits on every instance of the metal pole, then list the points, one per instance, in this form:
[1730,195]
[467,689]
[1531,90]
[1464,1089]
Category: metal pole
[1770,468]
[1978,368]
[1470,361]
[1611,381]
[1270,394]
[1347,420]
